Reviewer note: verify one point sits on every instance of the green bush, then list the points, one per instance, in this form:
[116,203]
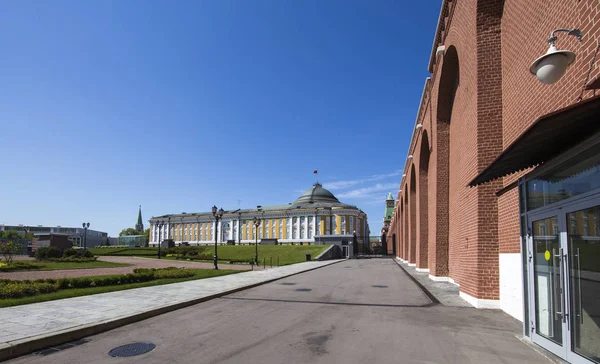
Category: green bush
[19,265]
[46,252]
[172,273]
[20,289]
[70,252]
[73,259]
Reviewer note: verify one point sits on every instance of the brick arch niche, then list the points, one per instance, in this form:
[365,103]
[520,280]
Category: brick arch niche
[422,259]
[448,86]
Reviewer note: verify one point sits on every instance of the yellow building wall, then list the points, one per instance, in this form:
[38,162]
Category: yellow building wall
[322,225]
[284,228]
[209,227]
[338,224]
[244,230]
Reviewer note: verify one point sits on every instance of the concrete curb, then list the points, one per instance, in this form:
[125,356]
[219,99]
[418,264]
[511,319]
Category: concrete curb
[432,298]
[28,345]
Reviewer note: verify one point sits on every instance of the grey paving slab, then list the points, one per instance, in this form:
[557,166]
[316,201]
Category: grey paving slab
[44,318]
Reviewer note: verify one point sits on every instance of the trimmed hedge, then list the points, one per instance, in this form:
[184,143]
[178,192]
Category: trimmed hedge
[26,288]
[18,289]
[73,259]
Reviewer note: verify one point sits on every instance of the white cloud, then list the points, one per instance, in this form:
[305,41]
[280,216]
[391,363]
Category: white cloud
[339,185]
[368,192]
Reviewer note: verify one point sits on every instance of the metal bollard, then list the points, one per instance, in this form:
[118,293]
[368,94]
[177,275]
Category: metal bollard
[264,262]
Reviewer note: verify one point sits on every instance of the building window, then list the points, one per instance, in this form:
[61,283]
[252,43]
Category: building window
[260,230]
[226,229]
[334,225]
[248,230]
[294,228]
[586,226]
[328,225]
[273,229]
[343,223]
[352,227]
[289,228]
[302,227]
[234,235]
[310,227]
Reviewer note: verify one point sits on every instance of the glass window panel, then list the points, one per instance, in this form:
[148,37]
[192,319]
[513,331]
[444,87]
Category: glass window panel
[584,285]
[574,177]
[546,275]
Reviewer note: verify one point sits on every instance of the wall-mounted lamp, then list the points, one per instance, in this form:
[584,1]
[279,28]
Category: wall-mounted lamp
[400,191]
[410,157]
[550,67]
[403,175]
[440,50]
[419,126]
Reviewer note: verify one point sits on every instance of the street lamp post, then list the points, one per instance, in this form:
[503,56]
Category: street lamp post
[256,224]
[218,215]
[85,227]
[159,225]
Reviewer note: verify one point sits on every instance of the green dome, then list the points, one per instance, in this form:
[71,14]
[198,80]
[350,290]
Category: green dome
[317,194]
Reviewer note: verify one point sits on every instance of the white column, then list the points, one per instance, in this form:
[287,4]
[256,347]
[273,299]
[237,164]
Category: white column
[306,226]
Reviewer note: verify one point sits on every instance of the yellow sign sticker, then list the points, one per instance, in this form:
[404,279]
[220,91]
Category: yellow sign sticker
[547,255]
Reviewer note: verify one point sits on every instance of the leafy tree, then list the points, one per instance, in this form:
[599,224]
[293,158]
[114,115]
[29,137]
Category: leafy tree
[10,244]
[147,234]
[130,231]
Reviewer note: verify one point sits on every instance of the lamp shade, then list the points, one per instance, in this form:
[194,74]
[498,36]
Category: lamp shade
[550,67]
[214,209]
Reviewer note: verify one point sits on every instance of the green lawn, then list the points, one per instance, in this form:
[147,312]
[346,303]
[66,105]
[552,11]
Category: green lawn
[76,292]
[44,265]
[288,254]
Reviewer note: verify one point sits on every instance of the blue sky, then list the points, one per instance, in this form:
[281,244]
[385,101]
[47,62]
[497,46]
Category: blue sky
[176,106]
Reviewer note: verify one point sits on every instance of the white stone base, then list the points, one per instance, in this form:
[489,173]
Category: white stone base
[439,279]
[452,281]
[511,284]
[412,264]
[422,270]
[480,303]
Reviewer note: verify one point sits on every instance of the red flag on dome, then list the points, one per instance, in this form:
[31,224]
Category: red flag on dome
[315,171]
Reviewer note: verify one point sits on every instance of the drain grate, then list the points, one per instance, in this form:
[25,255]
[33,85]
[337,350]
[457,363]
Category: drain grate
[288,284]
[56,349]
[131,349]
[379,286]
[303,290]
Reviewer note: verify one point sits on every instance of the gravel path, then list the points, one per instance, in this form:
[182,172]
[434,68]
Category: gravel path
[135,261]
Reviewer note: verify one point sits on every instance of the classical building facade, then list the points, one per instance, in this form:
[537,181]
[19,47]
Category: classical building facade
[316,217]
[501,186]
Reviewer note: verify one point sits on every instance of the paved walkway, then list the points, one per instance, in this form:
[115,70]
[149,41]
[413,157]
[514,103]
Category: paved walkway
[23,325]
[136,262]
[357,311]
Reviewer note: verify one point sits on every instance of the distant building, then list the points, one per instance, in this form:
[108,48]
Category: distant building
[140,225]
[389,247]
[316,217]
[75,234]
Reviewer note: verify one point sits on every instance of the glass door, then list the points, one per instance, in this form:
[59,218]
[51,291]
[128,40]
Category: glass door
[564,266]
[583,241]
[547,270]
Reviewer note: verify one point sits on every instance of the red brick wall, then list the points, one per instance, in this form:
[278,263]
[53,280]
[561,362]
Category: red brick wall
[525,99]
[464,229]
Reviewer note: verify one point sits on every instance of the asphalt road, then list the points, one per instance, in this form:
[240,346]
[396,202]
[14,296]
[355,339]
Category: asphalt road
[357,311]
